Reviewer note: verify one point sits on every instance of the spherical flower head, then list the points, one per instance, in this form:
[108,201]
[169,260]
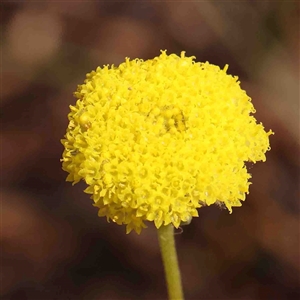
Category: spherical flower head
[155,140]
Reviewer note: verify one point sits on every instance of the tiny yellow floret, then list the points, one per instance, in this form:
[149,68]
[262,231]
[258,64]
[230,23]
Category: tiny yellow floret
[155,140]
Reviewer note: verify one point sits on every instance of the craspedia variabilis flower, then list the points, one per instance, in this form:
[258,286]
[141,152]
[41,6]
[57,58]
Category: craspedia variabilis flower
[155,140]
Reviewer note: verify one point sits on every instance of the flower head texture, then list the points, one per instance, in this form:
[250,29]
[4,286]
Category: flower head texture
[155,140]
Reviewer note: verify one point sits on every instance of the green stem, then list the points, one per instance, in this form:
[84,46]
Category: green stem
[169,257]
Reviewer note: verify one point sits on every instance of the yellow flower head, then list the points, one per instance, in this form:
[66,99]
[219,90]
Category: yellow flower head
[155,140]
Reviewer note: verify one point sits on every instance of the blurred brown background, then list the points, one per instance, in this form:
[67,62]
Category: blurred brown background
[53,244]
